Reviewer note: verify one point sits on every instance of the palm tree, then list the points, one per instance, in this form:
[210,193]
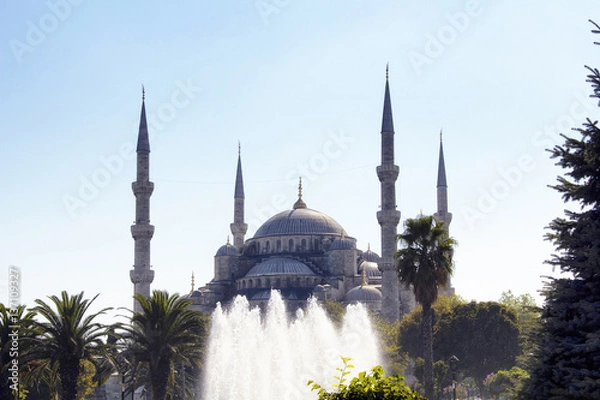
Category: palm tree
[163,337]
[425,263]
[13,323]
[65,338]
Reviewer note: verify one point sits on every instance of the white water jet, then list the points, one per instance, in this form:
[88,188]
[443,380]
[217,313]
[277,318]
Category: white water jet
[262,357]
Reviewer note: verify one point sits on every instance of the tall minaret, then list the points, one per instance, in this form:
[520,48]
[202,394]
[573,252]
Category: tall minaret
[388,216]
[238,227]
[442,214]
[141,275]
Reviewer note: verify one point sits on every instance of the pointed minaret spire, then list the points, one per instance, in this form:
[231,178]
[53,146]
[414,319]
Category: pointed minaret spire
[441,180]
[193,283]
[387,124]
[141,275]
[143,144]
[442,188]
[388,216]
[239,226]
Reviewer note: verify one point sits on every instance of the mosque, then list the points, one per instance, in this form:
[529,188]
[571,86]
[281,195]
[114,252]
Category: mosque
[300,252]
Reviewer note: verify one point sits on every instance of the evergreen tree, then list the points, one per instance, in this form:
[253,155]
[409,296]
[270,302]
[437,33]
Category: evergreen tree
[566,359]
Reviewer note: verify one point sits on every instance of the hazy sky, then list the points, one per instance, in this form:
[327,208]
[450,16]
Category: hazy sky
[300,84]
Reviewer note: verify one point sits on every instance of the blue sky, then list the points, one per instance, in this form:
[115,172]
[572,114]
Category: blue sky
[300,85]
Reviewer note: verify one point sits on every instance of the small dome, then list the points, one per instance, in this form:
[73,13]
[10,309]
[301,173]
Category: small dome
[343,243]
[370,256]
[371,269]
[363,294]
[280,266]
[227,250]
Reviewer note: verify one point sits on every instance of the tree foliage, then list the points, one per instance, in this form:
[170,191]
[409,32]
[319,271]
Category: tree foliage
[566,362]
[66,336]
[13,323]
[424,262]
[506,384]
[164,344]
[484,336]
[366,386]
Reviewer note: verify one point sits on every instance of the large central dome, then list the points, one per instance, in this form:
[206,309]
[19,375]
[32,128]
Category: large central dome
[299,221]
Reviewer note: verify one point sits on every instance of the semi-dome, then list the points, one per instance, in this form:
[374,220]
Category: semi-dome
[371,270]
[370,255]
[280,266]
[227,250]
[363,294]
[343,243]
[299,221]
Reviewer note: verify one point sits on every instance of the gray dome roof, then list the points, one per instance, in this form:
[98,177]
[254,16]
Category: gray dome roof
[371,269]
[280,266]
[227,250]
[370,256]
[363,294]
[299,221]
[342,243]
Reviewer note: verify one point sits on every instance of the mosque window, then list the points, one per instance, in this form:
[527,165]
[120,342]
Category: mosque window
[303,244]
[291,245]
[267,246]
[278,245]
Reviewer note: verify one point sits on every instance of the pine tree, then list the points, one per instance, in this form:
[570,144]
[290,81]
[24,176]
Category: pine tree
[566,358]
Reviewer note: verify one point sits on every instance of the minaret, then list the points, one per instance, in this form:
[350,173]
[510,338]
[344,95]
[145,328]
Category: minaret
[442,214]
[238,227]
[388,216]
[141,275]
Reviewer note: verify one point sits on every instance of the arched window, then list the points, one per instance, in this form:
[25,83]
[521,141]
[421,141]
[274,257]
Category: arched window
[250,283]
[291,245]
[316,245]
[278,245]
[303,244]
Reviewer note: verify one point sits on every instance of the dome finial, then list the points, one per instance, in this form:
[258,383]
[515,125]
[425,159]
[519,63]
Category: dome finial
[228,239]
[299,203]
[239,148]
[143,93]
[387,70]
[193,283]
[441,131]
[368,246]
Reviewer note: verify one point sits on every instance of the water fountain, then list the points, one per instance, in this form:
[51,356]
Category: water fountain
[254,355]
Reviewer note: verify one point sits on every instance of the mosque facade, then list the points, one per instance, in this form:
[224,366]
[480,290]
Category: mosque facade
[301,252]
